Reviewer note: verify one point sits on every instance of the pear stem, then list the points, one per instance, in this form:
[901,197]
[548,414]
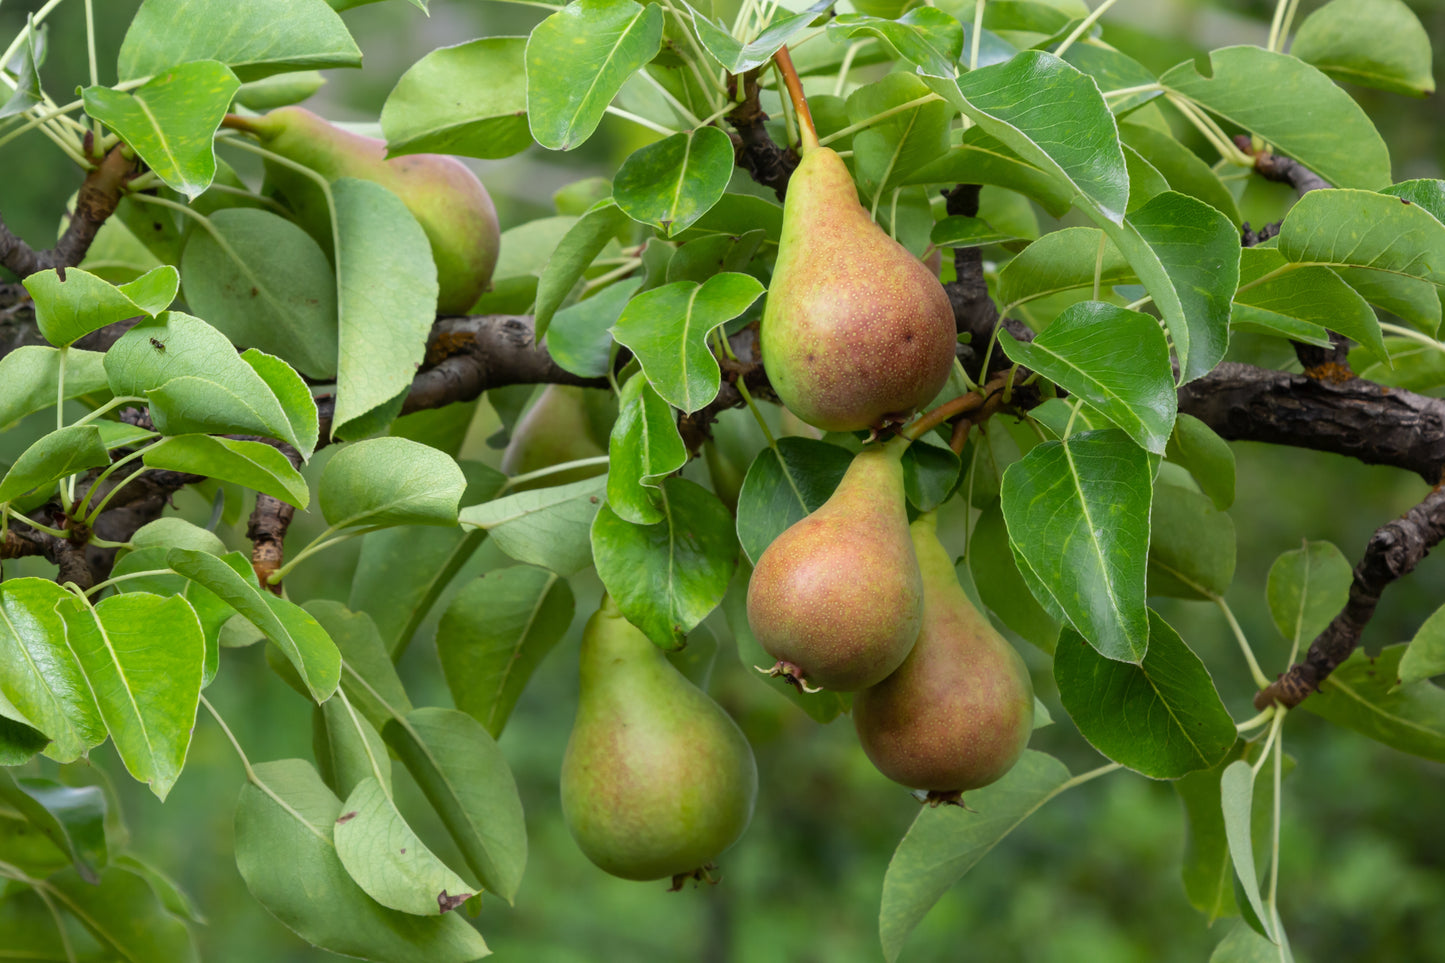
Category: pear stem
[237,122]
[963,404]
[807,133]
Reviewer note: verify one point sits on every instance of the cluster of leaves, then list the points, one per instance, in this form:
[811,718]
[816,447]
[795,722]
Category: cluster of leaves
[1084,507]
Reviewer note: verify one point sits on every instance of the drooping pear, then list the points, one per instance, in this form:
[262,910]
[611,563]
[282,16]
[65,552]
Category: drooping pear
[565,423]
[856,331]
[657,780]
[837,598]
[447,199]
[958,713]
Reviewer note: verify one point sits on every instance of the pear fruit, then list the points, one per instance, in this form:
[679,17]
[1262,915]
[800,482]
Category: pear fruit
[857,332]
[958,713]
[447,199]
[837,599]
[657,780]
[565,423]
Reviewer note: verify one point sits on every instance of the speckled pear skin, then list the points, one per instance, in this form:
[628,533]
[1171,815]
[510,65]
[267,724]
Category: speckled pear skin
[958,713]
[856,331]
[839,595]
[657,780]
[447,199]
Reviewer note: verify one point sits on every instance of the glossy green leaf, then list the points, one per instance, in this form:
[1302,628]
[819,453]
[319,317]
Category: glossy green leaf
[577,61]
[1181,167]
[170,120]
[19,742]
[1307,588]
[495,633]
[264,283]
[387,297]
[1062,260]
[910,138]
[251,464]
[125,916]
[1261,92]
[311,892]
[465,778]
[672,183]
[667,577]
[1236,790]
[645,447]
[81,303]
[573,255]
[926,37]
[1000,585]
[1054,118]
[1115,360]
[470,99]
[1365,694]
[1306,292]
[1077,513]
[1161,717]
[142,656]
[295,398]
[1208,457]
[387,859]
[390,481]
[303,641]
[1364,229]
[1427,192]
[210,610]
[30,379]
[930,472]
[1378,43]
[548,527]
[667,328]
[71,817]
[783,486]
[262,37]
[1191,545]
[739,57]
[967,232]
[981,158]
[67,451]
[945,842]
[579,338]
[1425,657]
[1416,301]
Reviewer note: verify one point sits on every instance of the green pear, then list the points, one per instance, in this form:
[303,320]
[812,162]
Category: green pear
[658,780]
[958,713]
[857,332]
[447,199]
[837,599]
[566,423]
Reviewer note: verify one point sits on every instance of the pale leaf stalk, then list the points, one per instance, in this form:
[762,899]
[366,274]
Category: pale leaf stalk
[977,31]
[1254,670]
[1402,332]
[676,104]
[516,480]
[99,587]
[640,121]
[883,115]
[1084,26]
[847,65]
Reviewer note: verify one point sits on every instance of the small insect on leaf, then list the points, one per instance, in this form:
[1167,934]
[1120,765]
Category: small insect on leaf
[158,345]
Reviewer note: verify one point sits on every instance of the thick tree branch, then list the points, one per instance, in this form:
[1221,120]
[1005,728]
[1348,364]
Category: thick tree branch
[98,197]
[1394,551]
[756,153]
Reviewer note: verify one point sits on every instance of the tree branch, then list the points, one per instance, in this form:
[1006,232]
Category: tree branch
[96,201]
[756,153]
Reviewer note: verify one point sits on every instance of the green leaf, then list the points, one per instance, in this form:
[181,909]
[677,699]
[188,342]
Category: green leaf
[1181,167]
[390,481]
[279,90]
[1425,657]
[1077,513]
[368,676]
[1378,43]
[470,99]
[28,92]
[1364,229]
[124,914]
[667,577]
[1195,446]
[1236,791]
[30,379]
[1062,260]
[1427,192]
[251,464]
[19,742]
[548,527]
[256,40]
[210,610]
[495,633]
[783,486]
[1417,302]
[310,891]
[1115,360]
[385,857]
[1161,717]
[579,338]
[1244,945]
[980,158]
[1366,694]
[926,37]
[387,295]
[573,255]
[890,149]
[1261,92]
[264,283]
[1311,293]
[1307,588]
[930,472]
[1000,585]
[667,329]
[739,57]
[465,778]
[294,396]
[67,451]
[303,641]
[1191,545]
[142,656]
[348,749]
[69,309]
[577,61]
[645,447]
[1207,871]
[945,842]
[170,120]
[71,817]
[672,183]
[1054,118]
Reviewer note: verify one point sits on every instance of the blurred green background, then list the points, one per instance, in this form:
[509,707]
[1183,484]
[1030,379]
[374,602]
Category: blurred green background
[1093,876]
